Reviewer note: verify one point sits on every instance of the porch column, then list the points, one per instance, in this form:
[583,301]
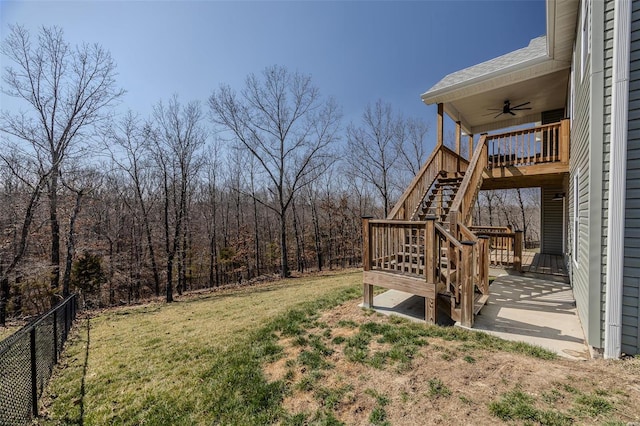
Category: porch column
[470,147]
[440,128]
[458,137]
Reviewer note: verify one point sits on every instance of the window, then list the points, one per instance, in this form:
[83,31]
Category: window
[576,216]
[585,49]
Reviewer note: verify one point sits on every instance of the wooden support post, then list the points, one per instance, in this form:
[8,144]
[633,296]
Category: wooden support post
[430,256]
[484,263]
[431,303]
[458,145]
[517,251]
[470,147]
[563,143]
[458,138]
[453,223]
[367,291]
[467,290]
[440,128]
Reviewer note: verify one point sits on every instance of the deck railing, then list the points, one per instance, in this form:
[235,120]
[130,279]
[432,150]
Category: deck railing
[526,147]
[462,205]
[505,246]
[397,246]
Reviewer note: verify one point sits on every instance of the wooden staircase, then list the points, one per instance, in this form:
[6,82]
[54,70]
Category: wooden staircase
[426,246]
[438,202]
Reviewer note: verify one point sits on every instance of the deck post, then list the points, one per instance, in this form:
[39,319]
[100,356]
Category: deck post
[467,290]
[367,290]
[440,125]
[517,251]
[430,303]
[563,143]
[470,147]
[458,144]
[484,262]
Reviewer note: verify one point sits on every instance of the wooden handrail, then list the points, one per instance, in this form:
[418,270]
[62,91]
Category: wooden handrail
[541,144]
[442,158]
[450,238]
[463,202]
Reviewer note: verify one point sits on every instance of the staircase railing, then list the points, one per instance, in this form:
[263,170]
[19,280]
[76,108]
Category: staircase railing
[468,192]
[441,159]
[460,261]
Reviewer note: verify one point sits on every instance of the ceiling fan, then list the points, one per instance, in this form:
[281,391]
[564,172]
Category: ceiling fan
[508,109]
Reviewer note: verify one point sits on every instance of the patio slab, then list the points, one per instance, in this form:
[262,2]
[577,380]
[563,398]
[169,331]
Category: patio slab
[520,308]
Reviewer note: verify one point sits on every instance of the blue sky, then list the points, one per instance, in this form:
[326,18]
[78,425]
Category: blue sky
[356,51]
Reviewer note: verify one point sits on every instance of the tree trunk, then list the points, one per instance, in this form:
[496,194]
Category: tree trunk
[256,237]
[284,255]
[4,297]
[71,245]
[316,234]
[55,236]
[299,264]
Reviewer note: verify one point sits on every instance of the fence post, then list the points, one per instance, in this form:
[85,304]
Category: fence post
[467,290]
[517,251]
[55,336]
[367,289]
[34,372]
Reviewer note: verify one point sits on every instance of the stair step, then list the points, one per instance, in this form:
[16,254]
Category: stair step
[479,303]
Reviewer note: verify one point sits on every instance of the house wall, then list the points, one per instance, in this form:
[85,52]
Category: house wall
[551,221]
[606,142]
[587,165]
[631,273]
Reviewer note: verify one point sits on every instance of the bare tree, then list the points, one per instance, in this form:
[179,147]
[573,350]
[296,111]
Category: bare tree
[129,145]
[372,149]
[82,183]
[285,124]
[69,91]
[179,137]
[411,145]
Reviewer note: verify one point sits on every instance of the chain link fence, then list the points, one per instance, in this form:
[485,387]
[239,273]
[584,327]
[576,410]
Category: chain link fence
[27,359]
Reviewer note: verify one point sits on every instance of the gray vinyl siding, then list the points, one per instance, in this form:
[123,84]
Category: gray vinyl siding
[606,143]
[579,166]
[551,222]
[631,273]
[588,160]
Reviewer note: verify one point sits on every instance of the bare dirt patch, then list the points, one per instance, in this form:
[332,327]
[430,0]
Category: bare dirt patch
[378,371]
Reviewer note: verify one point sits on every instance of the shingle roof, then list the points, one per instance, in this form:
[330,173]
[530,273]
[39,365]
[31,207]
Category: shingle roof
[537,48]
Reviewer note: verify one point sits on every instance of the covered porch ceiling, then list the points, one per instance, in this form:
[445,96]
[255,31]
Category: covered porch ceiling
[537,73]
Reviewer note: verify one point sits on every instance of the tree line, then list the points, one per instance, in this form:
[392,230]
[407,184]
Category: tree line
[258,180]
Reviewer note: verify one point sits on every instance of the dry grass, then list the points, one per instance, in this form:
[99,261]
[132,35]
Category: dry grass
[385,370]
[293,352]
[143,357]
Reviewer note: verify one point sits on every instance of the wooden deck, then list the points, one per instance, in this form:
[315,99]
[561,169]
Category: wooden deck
[543,264]
[531,262]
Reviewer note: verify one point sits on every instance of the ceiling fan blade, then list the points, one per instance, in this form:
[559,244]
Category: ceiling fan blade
[499,114]
[521,105]
[512,113]
[519,109]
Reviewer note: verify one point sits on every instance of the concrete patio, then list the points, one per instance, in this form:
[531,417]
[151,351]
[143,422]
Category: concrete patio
[540,311]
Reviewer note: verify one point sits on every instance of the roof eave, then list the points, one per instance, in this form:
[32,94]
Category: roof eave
[519,72]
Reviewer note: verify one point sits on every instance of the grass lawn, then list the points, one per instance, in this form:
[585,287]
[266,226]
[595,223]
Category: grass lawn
[292,352]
